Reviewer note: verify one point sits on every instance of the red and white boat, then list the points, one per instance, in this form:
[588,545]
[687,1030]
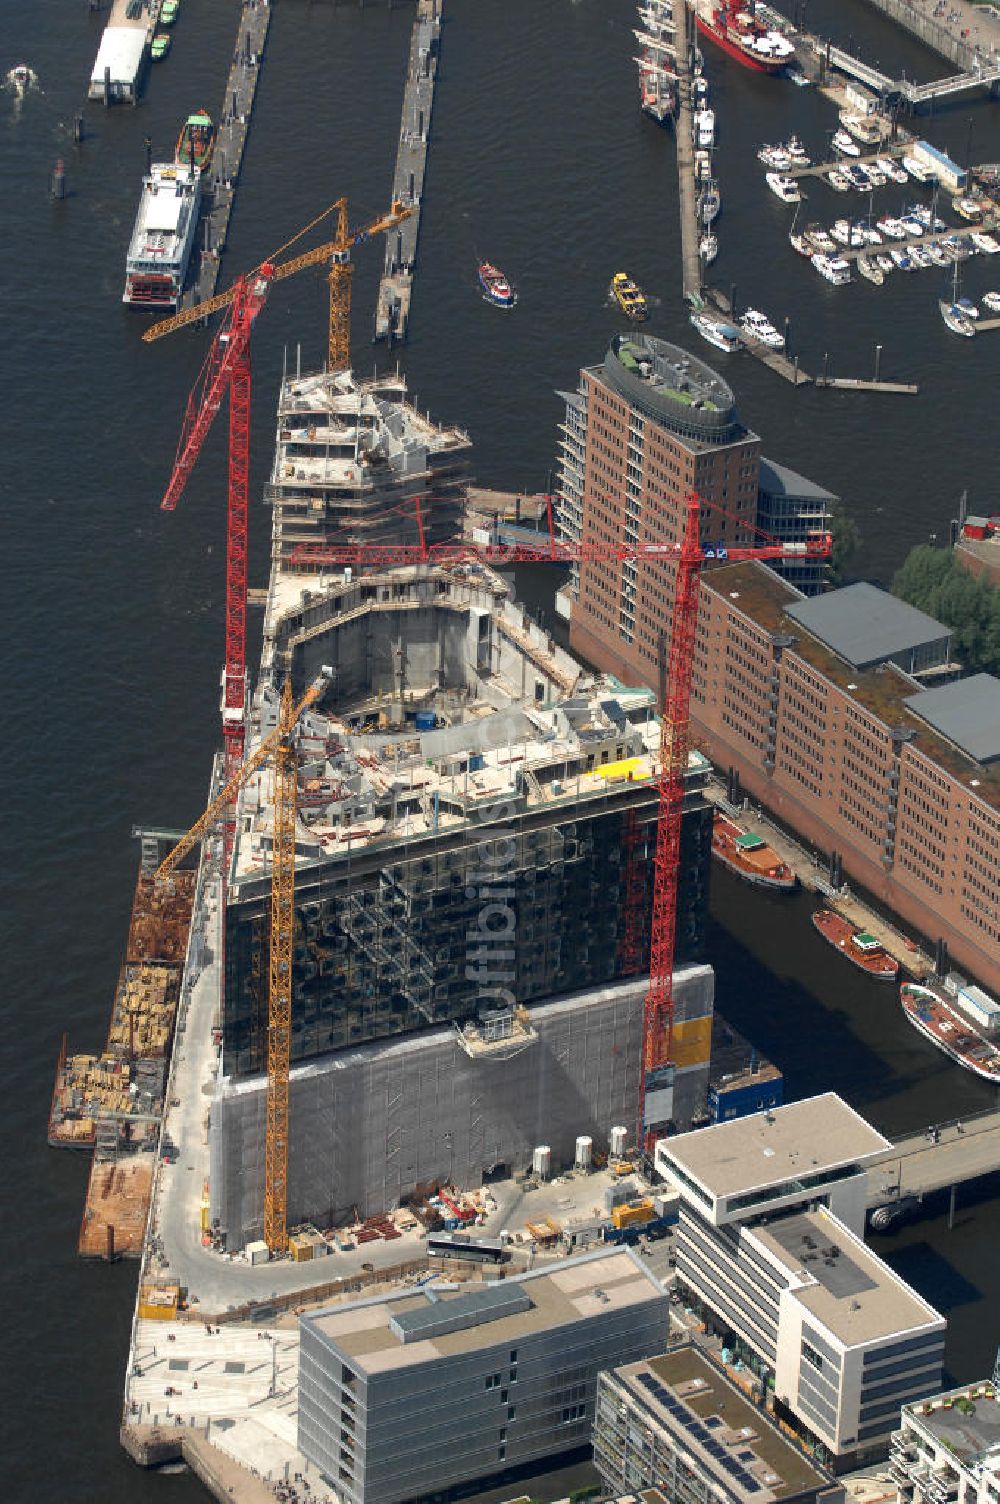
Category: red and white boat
[938,1019]
[496,288]
[733,25]
[856,944]
[749,855]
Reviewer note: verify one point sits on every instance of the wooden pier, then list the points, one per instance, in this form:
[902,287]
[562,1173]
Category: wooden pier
[219,191]
[857,384]
[888,152]
[392,315]
[687,194]
[775,360]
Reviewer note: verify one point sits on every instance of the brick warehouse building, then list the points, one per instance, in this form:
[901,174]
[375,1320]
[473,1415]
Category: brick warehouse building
[643,429]
[815,705]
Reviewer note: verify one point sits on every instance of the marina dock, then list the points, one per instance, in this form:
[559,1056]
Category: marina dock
[123,55]
[687,193]
[777,361]
[392,314]
[230,143]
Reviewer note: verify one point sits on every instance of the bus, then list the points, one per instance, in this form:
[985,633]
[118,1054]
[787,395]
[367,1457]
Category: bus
[459,1245]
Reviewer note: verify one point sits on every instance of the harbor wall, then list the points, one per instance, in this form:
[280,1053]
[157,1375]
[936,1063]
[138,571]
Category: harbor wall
[369,1125]
[933,35]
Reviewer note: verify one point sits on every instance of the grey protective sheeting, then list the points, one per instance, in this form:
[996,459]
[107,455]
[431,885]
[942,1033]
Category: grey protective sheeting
[368,1125]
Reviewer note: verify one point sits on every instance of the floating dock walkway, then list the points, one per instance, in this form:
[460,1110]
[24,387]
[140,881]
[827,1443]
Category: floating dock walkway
[392,315]
[687,193]
[230,142]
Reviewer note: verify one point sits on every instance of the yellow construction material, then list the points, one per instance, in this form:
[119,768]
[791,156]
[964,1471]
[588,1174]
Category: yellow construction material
[692,1041]
[621,772]
[301,1248]
[159,1302]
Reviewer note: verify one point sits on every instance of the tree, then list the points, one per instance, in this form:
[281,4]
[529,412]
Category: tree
[845,542]
[934,581]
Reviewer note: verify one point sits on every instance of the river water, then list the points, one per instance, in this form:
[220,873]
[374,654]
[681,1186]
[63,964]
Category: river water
[541,162]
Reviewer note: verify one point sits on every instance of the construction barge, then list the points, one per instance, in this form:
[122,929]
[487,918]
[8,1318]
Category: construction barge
[112,1103]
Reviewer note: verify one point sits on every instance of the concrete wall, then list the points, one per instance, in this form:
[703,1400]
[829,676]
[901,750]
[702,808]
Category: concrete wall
[370,1124]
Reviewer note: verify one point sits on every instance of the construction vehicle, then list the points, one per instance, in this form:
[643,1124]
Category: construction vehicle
[279,748]
[686,556]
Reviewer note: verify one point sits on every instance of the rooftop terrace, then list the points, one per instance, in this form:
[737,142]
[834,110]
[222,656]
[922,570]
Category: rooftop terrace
[968,1426]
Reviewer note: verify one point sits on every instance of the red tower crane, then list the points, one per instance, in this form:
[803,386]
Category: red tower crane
[688,555]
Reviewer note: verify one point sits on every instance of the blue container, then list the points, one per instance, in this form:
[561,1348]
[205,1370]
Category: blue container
[426,720]
[476,762]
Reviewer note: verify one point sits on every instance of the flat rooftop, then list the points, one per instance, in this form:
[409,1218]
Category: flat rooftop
[865,625]
[674,388]
[732,1436]
[765,598]
[967,712]
[769,1148]
[840,1282]
[972,1433]
[379,1335]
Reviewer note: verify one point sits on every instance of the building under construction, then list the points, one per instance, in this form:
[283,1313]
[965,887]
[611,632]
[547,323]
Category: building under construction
[350,459]
[476,819]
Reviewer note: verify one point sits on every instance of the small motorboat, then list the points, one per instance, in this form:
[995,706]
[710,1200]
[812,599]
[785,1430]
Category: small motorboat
[496,288]
[991,300]
[955,319]
[708,247]
[891,227]
[970,208]
[819,239]
[710,202]
[843,143]
[902,260]
[834,268]
[799,243]
[718,333]
[838,180]
[984,242]
[885,262]
[629,297]
[759,327]
[870,270]
[196,141]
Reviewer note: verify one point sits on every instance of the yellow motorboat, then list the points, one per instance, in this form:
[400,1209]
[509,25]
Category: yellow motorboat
[630,298]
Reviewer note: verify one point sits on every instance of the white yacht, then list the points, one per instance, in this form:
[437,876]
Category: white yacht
[991,300]
[704,127]
[984,242]
[718,333]
[902,259]
[970,208]
[863,128]
[820,239]
[708,247]
[710,202]
[937,255]
[776,157]
[797,153]
[917,171]
[838,180]
[891,227]
[834,268]
[919,257]
[891,170]
[847,233]
[758,326]
[787,189]
[842,142]
[885,262]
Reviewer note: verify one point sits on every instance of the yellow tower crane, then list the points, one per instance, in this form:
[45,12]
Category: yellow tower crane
[279,747]
[337,252]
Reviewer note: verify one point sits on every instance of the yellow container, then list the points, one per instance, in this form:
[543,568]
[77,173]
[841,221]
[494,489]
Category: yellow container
[632,1215]
[301,1249]
[159,1302]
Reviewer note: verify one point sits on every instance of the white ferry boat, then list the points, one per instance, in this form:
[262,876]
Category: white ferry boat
[163,236]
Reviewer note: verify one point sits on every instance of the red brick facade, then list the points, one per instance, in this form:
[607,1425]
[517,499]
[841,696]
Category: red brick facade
[837,756]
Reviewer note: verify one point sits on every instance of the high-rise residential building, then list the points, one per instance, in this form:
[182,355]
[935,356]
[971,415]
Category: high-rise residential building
[413,1393]
[770,1245]
[677,1428]
[841,715]
[644,428]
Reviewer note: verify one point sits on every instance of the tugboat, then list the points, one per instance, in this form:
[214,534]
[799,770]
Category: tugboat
[629,297]
[496,288]
[196,141]
[938,1019]
[857,945]
[749,856]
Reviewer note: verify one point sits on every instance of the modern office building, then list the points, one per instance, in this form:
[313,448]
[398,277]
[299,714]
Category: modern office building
[947,1448]
[769,1244]
[677,1424]
[838,715]
[414,1393]
[644,428]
